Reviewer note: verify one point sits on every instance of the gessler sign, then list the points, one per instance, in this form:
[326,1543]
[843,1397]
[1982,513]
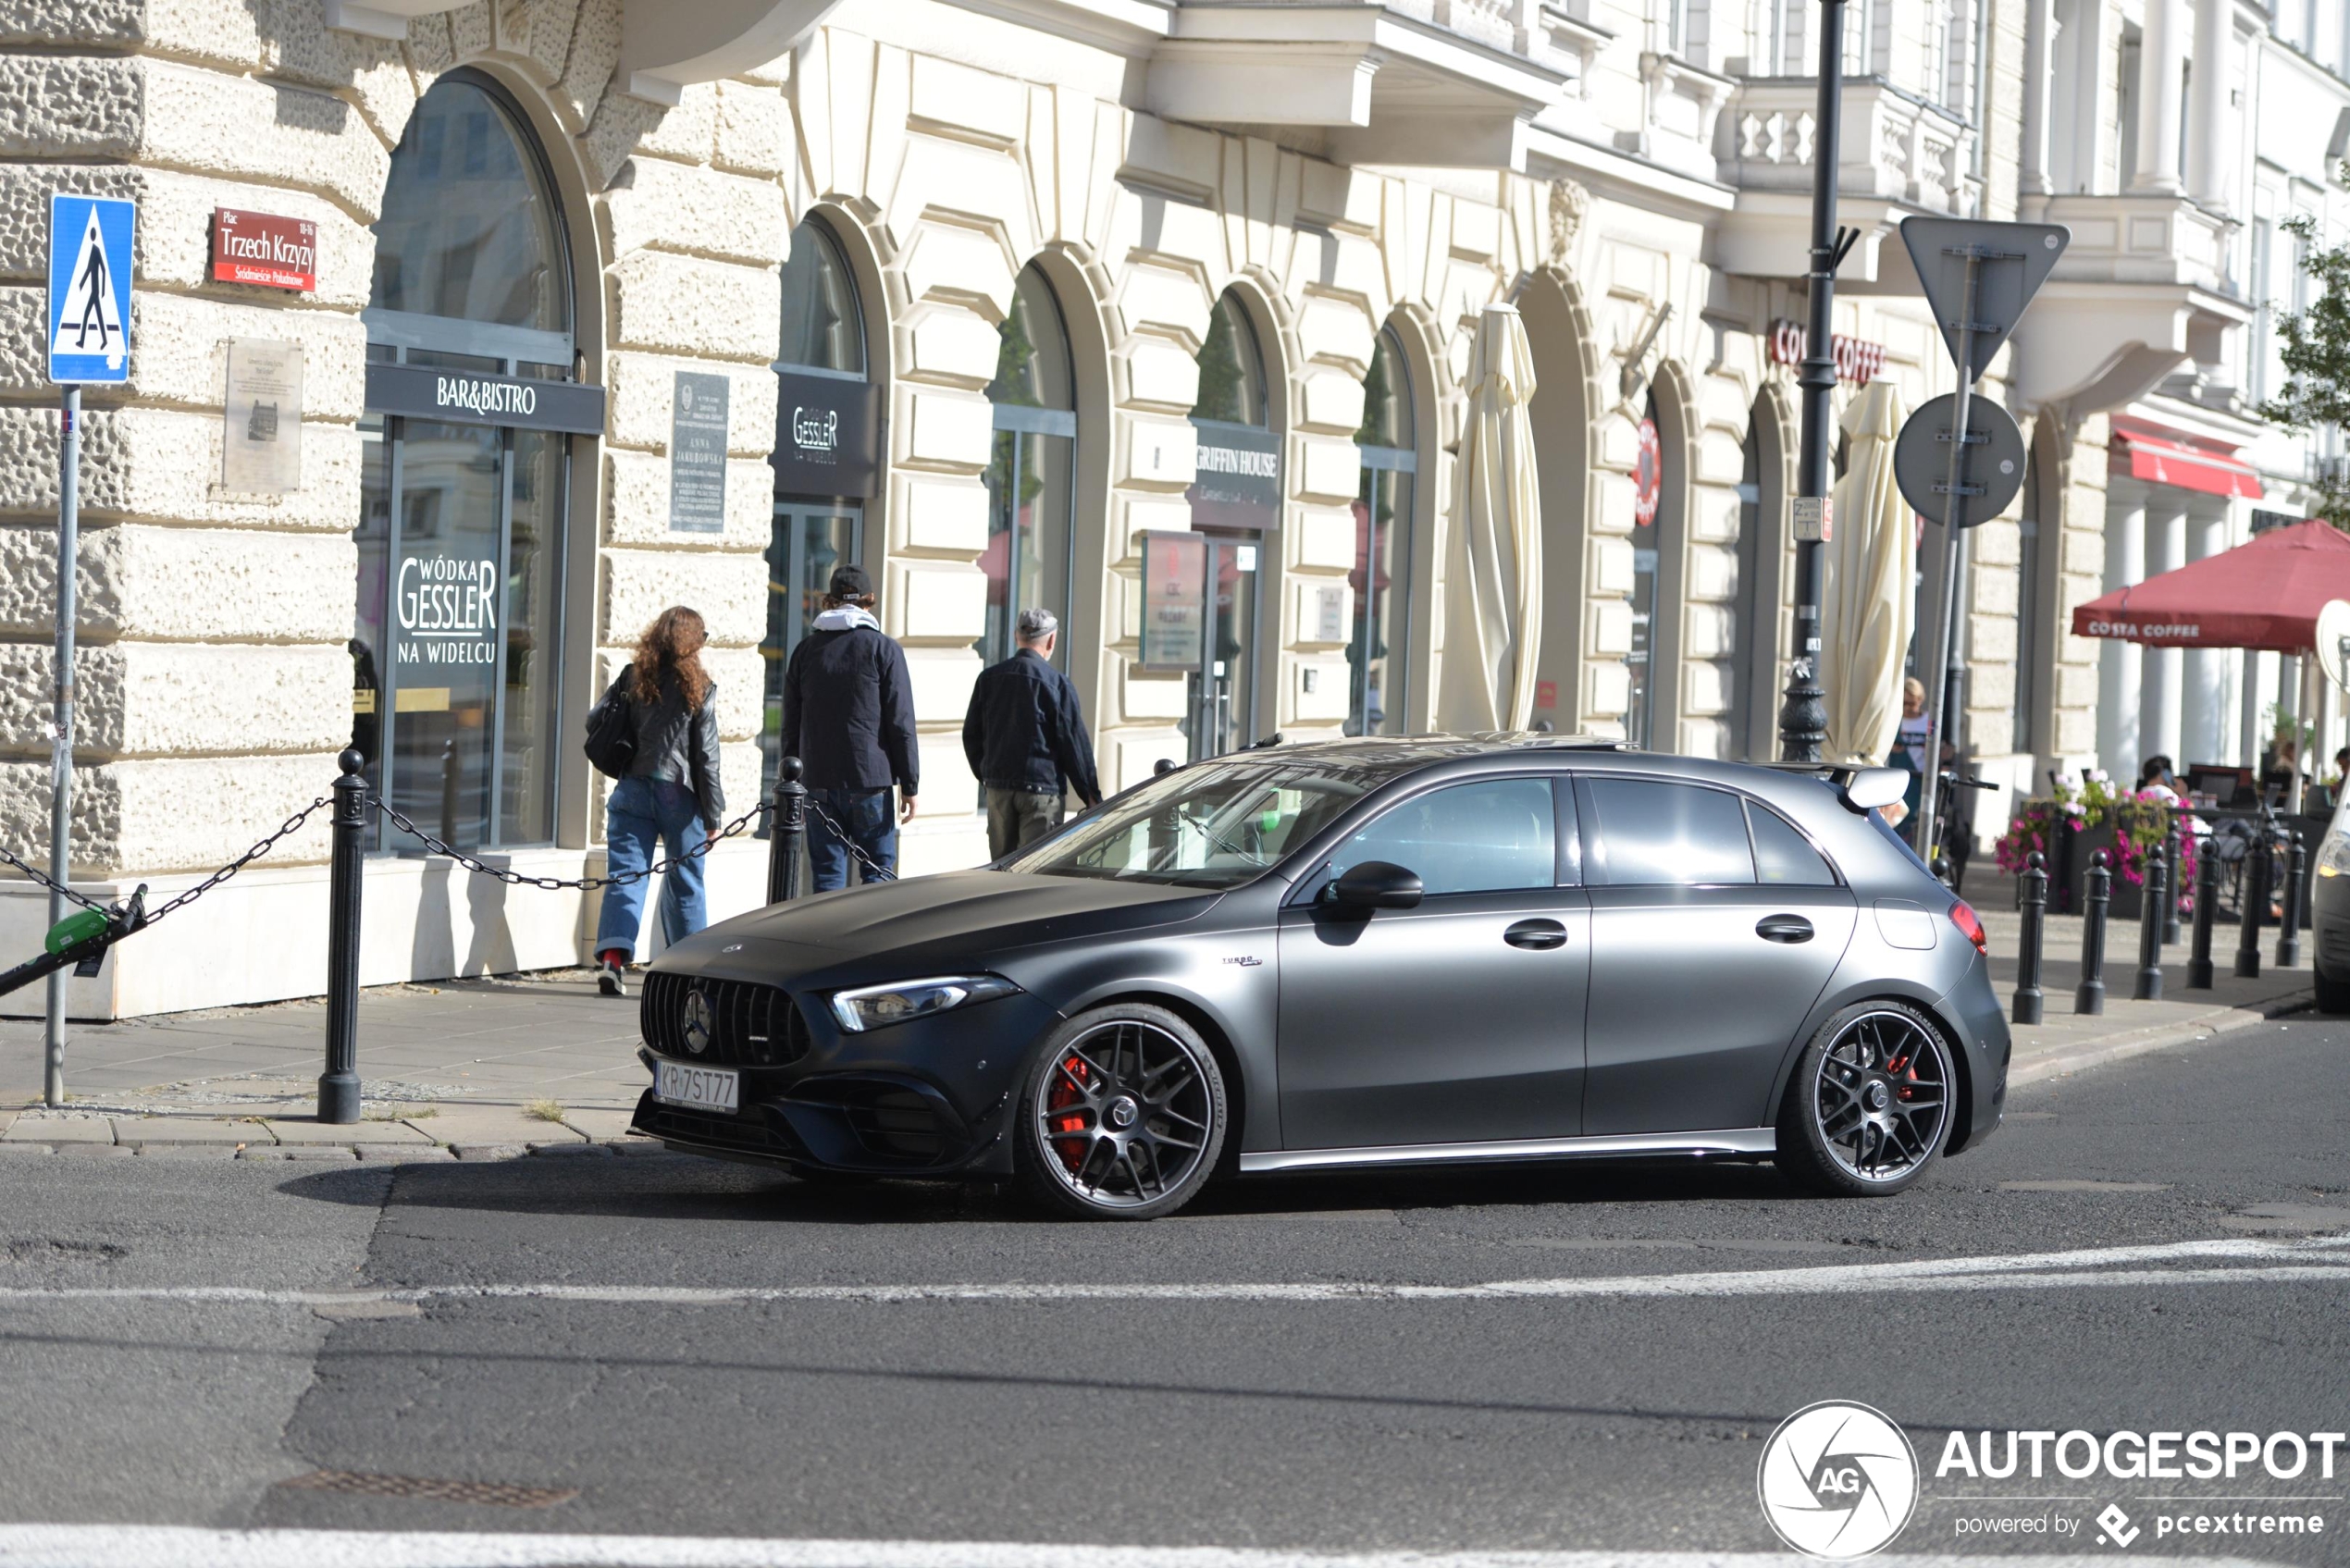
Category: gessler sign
[264,249]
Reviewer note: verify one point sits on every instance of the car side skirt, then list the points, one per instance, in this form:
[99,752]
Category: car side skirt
[1749,1142]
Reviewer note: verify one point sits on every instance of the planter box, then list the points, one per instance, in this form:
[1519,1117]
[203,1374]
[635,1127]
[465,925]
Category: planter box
[2128,897]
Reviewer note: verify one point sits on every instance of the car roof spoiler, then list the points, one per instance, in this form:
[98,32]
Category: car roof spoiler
[1860,789]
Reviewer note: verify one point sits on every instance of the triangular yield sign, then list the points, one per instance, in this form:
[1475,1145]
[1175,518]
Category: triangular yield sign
[90,323]
[2014,260]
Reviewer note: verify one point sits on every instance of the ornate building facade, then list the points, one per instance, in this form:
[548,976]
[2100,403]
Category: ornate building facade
[620,304]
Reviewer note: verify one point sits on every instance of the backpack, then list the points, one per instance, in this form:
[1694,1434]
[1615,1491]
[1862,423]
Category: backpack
[612,731]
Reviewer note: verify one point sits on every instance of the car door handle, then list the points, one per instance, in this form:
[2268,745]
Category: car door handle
[1538,936]
[1783,928]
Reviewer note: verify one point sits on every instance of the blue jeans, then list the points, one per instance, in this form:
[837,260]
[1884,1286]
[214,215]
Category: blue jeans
[637,815]
[869,817]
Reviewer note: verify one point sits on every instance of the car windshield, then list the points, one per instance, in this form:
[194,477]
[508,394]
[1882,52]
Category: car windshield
[1216,824]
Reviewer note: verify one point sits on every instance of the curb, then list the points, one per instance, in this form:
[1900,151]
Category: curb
[2063,1060]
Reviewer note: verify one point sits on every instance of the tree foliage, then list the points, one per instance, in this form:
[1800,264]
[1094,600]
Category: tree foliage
[2317,359]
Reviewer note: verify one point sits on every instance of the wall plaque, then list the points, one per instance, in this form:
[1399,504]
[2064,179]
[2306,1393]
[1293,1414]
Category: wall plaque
[261,420]
[698,454]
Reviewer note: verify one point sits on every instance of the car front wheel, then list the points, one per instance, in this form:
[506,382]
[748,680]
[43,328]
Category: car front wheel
[2333,995]
[1869,1102]
[1121,1115]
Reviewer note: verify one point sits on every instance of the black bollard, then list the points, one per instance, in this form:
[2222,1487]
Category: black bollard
[2028,999]
[787,831]
[451,773]
[2255,907]
[2206,911]
[2148,987]
[2098,887]
[2171,904]
[2296,878]
[1164,765]
[338,1085]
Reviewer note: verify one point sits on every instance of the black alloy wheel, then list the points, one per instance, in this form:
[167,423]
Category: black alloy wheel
[1121,1116]
[1869,1106]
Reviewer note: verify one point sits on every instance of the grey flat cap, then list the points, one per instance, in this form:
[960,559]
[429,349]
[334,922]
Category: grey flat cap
[1037,622]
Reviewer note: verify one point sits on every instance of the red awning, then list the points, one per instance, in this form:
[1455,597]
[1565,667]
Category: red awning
[2170,462]
[2261,595]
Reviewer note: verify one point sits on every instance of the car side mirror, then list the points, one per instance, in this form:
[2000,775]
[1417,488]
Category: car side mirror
[1376,884]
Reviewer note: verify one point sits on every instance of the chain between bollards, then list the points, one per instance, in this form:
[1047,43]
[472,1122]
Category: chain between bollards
[338,1085]
[2206,911]
[2097,889]
[2255,905]
[2028,999]
[787,831]
[2295,879]
[2151,920]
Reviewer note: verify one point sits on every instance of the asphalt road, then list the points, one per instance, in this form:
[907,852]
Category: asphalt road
[1180,1397]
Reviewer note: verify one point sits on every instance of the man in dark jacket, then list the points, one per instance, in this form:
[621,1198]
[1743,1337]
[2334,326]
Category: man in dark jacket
[1025,736]
[848,716]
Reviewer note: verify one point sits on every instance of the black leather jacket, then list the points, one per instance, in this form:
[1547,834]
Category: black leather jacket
[677,746]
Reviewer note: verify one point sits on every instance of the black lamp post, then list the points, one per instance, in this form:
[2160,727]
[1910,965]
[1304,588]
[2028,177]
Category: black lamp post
[1804,719]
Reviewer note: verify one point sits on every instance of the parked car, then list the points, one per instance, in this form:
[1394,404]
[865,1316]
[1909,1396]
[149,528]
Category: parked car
[2329,915]
[1360,953]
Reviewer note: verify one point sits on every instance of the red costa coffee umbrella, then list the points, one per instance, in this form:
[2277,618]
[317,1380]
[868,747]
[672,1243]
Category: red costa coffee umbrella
[2261,595]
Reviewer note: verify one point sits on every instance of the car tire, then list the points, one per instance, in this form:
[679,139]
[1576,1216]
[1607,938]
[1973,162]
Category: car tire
[2333,995]
[1120,1115]
[1859,1118]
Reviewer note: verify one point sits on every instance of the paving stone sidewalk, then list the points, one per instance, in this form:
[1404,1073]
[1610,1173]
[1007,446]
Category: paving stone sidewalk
[542,1064]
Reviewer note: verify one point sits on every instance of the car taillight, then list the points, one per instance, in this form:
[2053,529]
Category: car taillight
[1969,924]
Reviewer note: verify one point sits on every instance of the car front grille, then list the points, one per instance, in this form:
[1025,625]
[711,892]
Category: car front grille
[751,1025]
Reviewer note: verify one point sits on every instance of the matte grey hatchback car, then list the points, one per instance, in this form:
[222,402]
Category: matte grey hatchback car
[1359,953]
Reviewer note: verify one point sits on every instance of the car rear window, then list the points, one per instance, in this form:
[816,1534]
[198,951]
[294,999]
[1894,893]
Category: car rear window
[1653,833]
[1782,856]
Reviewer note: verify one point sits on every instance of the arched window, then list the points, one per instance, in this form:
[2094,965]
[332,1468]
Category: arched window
[1648,497]
[1032,478]
[823,326]
[1236,501]
[1379,652]
[457,645]
[826,457]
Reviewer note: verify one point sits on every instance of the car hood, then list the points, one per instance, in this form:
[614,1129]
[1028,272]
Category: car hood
[954,917]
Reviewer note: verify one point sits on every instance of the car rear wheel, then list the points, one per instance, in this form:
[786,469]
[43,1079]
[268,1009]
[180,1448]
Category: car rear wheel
[2333,995]
[1869,1102]
[1121,1115]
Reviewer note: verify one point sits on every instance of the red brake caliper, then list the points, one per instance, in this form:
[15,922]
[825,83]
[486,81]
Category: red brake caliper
[1069,1132]
[1898,1068]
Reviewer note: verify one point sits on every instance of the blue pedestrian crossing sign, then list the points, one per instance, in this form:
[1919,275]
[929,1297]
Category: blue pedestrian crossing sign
[90,288]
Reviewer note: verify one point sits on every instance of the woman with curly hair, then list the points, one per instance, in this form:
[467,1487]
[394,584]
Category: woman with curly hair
[672,792]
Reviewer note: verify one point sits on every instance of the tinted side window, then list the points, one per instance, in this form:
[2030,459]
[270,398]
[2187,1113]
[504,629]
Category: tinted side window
[1783,855]
[1484,838]
[1647,831]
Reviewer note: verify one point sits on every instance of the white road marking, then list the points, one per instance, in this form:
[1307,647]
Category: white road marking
[2226,1262]
[161,1546]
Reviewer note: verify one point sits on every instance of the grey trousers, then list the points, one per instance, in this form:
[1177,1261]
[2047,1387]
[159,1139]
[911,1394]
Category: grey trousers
[1016,817]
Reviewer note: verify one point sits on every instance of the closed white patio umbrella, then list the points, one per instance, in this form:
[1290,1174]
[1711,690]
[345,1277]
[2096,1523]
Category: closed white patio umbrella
[1869,599]
[1493,560]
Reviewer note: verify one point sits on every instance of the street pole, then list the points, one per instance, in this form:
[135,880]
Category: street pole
[61,747]
[1803,717]
[1948,642]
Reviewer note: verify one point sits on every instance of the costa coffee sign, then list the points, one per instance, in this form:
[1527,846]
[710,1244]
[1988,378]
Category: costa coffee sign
[1856,360]
[264,249]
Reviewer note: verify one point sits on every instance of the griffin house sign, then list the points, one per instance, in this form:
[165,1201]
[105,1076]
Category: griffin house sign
[264,249]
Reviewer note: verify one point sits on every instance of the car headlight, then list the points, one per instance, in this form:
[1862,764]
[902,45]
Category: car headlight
[2333,856]
[873,1006]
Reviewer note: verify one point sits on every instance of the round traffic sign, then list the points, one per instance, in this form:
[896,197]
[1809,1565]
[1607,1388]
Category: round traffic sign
[1990,477]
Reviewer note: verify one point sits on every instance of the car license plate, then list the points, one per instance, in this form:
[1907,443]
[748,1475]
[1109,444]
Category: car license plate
[703,1089]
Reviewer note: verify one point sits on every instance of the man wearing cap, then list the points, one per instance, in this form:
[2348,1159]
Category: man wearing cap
[848,716]
[1025,737]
